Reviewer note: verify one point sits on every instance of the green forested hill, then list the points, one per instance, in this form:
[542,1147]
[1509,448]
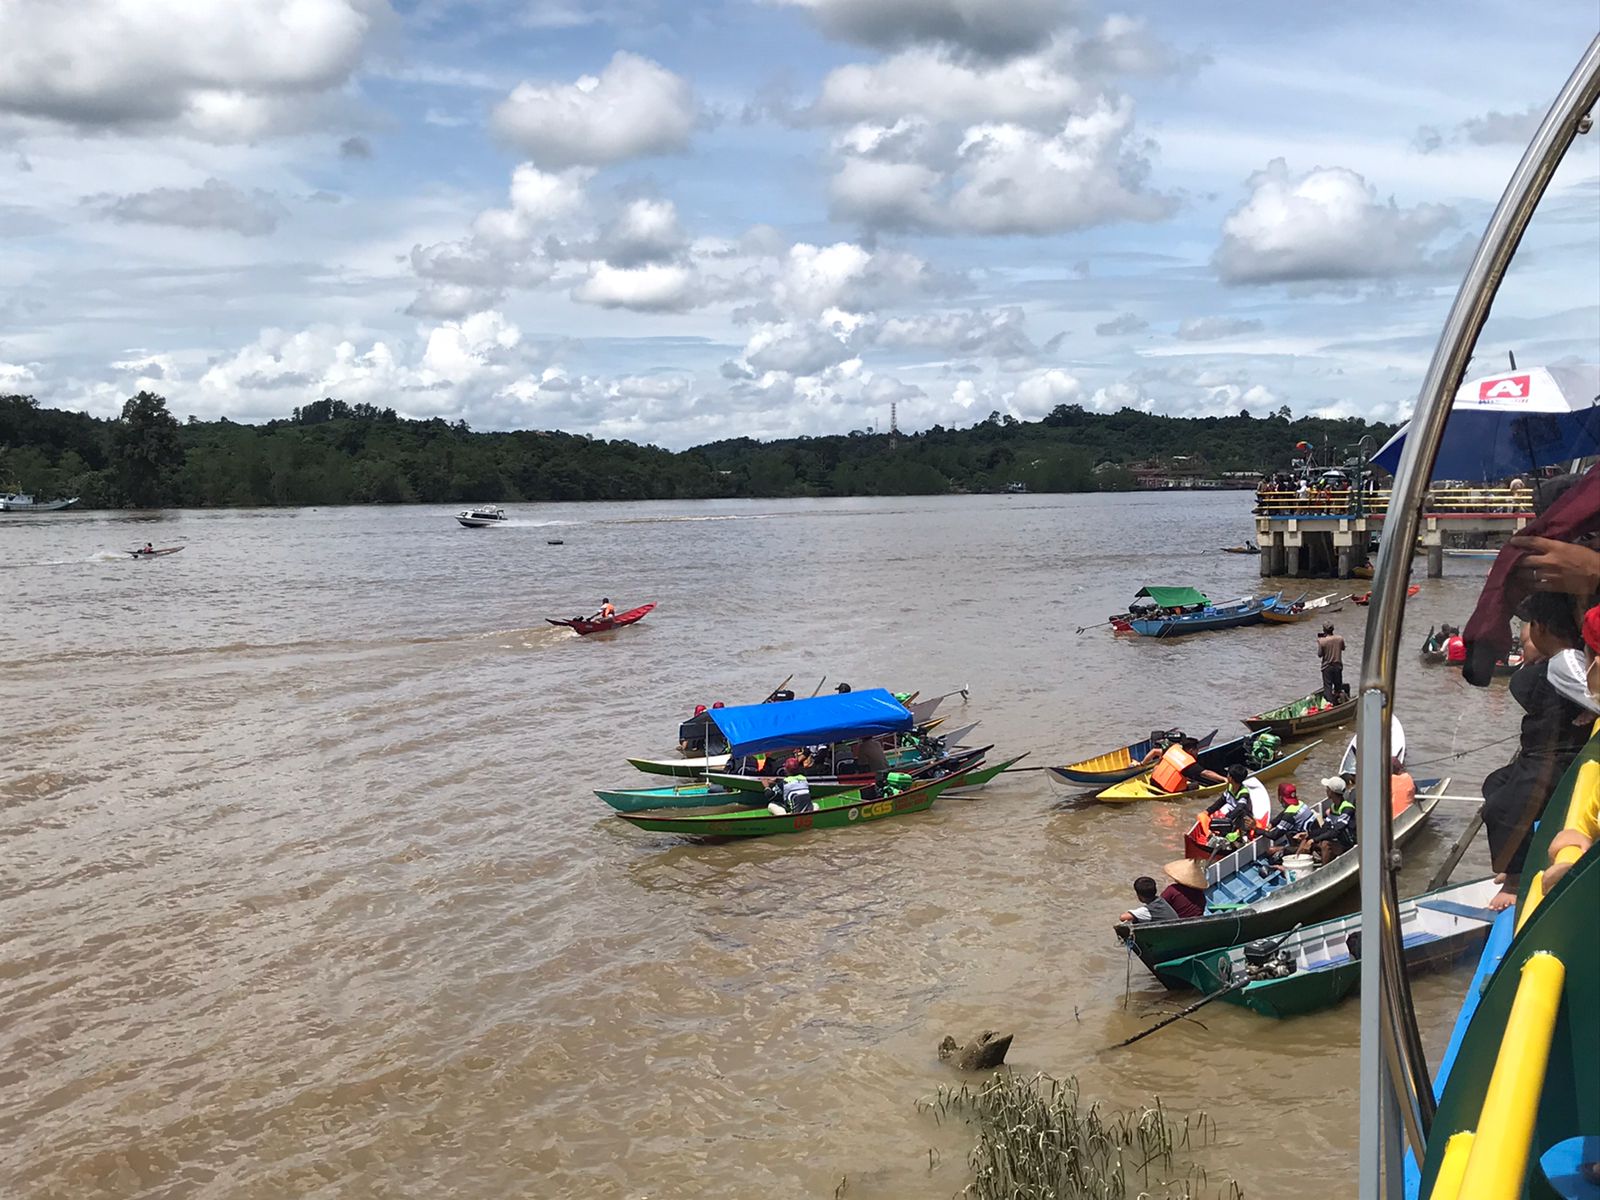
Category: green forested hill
[330,452]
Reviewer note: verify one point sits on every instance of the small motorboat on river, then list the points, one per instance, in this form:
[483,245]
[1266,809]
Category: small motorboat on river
[583,626]
[1319,965]
[482,517]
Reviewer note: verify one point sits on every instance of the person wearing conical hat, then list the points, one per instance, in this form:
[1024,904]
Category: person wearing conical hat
[1187,891]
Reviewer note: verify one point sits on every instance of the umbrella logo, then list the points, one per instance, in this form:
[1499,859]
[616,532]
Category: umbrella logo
[1509,387]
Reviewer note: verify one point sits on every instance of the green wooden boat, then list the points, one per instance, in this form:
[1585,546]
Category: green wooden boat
[1437,928]
[705,795]
[970,780]
[1246,901]
[1306,715]
[834,812]
[1564,1097]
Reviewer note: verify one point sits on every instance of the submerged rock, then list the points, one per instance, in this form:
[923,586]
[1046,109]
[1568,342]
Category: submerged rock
[982,1053]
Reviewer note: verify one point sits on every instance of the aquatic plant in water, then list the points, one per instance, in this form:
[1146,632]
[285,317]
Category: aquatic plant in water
[1037,1141]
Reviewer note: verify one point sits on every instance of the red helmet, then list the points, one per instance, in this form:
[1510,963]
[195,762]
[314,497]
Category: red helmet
[698,709]
[791,764]
[1286,792]
[719,704]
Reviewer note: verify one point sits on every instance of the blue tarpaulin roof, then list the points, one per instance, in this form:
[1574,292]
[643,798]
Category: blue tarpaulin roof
[822,720]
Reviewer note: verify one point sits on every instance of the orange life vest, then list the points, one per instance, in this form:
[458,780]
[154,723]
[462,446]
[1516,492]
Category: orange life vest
[1168,773]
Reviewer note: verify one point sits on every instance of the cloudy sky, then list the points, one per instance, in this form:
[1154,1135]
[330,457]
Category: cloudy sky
[677,221]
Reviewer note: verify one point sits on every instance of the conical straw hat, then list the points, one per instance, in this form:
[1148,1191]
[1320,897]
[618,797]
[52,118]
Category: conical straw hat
[1186,871]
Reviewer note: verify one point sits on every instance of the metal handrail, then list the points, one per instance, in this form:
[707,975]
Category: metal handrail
[1394,1067]
[1509,503]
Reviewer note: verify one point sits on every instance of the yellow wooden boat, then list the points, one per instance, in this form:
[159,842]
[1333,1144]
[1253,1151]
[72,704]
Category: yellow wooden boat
[1218,759]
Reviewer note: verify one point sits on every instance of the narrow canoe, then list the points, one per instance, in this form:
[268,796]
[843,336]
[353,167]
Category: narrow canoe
[1218,758]
[837,784]
[158,553]
[584,627]
[977,777]
[1248,900]
[1436,928]
[834,812]
[1292,615]
[1222,616]
[1306,715]
[1366,596]
[680,768]
[698,795]
[1114,765]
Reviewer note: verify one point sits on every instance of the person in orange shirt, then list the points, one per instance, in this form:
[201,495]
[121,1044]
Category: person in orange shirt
[1402,788]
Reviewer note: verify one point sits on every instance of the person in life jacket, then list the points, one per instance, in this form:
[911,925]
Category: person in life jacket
[1455,648]
[1294,822]
[791,792]
[1234,815]
[1336,832]
[1179,770]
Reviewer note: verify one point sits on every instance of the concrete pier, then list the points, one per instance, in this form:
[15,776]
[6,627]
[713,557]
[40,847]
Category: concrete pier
[1330,533]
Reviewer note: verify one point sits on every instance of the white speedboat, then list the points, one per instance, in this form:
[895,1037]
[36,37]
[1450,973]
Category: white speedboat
[21,502]
[481,517]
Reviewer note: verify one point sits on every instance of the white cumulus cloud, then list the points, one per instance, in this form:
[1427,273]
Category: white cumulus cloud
[234,70]
[632,109]
[1327,224]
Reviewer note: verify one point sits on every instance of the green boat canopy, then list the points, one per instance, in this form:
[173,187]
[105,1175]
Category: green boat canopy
[1174,597]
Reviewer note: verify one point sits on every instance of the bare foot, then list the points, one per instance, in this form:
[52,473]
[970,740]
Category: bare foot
[1502,900]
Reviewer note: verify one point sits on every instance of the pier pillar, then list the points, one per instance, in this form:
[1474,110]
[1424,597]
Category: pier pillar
[1269,547]
[1291,566]
[1344,563]
[1435,561]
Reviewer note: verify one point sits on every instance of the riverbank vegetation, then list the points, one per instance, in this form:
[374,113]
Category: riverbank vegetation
[330,452]
[1037,1140]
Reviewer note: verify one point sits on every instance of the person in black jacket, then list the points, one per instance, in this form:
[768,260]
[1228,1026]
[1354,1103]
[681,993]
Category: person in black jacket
[1555,727]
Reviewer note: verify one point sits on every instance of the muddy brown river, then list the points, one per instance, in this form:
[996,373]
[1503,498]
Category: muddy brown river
[306,892]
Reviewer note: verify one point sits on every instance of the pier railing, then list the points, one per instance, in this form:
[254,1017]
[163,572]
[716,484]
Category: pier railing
[1511,504]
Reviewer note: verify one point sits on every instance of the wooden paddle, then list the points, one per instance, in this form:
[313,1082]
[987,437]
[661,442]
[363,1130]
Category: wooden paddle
[818,688]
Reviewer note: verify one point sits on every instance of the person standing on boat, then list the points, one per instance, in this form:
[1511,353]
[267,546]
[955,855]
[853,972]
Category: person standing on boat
[1330,651]
[1555,727]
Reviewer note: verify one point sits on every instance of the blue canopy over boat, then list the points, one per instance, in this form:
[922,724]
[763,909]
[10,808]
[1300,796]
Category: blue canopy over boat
[821,720]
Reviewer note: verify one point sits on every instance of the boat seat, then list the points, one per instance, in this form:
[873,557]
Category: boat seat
[1562,1165]
[1457,909]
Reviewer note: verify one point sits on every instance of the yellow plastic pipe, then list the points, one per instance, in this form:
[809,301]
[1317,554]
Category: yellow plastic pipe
[1498,1163]
[1452,1168]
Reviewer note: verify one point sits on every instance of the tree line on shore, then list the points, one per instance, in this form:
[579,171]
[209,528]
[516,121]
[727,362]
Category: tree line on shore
[330,452]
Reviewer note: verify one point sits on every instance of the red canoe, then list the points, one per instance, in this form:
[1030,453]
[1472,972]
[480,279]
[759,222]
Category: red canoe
[582,626]
[1365,596]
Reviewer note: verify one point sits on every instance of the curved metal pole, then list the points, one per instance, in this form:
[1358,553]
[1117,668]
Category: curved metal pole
[1386,998]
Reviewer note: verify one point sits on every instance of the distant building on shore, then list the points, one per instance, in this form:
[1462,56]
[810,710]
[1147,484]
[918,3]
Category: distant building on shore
[1187,472]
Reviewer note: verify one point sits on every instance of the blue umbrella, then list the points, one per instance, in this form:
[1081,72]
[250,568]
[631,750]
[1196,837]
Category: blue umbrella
[1512,424]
